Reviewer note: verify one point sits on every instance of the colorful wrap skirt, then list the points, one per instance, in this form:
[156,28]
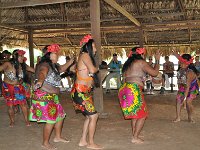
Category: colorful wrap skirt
[193,91]
[132,101]
[46,107]
[13,94]
[82,99]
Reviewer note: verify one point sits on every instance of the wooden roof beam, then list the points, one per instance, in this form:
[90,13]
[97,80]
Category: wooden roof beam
[123,11]
[32,3]
[12,28]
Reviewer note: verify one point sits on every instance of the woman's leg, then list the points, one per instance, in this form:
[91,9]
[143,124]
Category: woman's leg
[178,111]
[133,124]
[190,109]
[48,128]
[25,112]
[83,140]
[58,129]
[91,132]
[138,127]
[11,115]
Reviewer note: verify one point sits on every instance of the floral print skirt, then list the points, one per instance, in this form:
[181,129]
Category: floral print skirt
[46,107]
[193,91]
[13,94]
[132,101]
[82,99]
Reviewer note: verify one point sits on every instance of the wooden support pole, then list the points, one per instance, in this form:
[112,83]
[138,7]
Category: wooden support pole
[30,42]
[95,30]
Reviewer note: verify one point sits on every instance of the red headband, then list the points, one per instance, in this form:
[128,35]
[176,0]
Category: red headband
[85,39]
[53,48]
[181,59]
[21,52]
[138,51]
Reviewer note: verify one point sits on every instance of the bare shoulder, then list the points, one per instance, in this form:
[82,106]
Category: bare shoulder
[8,64]
[142,62]
[84,55]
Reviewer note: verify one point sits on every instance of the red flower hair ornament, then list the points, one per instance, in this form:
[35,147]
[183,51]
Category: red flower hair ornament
[85,39]
[181,59]
[138,51]
[25,59]
[21,52]
[53,48]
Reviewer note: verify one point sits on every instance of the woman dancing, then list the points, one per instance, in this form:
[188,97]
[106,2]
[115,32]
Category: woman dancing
[188,86]
[81,91]
[130,93]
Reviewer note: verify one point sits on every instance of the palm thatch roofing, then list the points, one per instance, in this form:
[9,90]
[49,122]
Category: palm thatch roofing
[156,24]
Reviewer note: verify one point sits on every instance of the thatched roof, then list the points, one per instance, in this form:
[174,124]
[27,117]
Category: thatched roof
[164,24]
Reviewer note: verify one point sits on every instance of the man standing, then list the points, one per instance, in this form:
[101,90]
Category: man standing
[115,67]
[168,72]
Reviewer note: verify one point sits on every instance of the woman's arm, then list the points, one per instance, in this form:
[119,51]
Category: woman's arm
[4,66]
[42,73]
[63,68]
[150,70]
[30,69]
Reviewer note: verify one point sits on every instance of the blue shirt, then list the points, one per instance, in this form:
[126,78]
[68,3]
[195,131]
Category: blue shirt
[115,66]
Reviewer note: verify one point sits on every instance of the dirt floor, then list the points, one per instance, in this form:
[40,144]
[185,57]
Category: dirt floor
[113,132]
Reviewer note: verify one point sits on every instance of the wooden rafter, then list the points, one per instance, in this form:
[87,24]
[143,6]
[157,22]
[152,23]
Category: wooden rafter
[180,2]
[32,3]
[123,11]
[88,21]
[12,28]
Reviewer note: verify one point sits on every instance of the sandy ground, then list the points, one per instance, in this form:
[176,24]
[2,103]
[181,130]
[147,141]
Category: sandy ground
[113,132]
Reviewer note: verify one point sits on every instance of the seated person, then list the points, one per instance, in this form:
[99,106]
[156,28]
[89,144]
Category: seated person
[149,83]
[168,72]
[197,63]
[115,67]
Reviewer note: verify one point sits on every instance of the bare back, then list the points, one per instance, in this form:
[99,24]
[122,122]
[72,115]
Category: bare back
[137,71]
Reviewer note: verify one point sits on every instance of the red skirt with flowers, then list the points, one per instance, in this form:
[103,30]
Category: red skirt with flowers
[13,94]
[46,107]
[82,99]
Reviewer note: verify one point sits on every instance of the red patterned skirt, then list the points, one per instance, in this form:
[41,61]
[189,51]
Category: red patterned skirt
[13,94]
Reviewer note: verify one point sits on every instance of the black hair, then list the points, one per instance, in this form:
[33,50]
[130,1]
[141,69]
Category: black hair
[166,57]
[191,66]
[6,52]
[46,58]
[87,48]
[131,59]
[14,61]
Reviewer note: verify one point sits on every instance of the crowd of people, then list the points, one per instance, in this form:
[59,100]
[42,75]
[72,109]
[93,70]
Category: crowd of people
[45,105]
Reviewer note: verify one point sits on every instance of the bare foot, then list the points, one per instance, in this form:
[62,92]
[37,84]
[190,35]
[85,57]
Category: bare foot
[82,143]
[137,141]
[49,147]
[28,124]
[11,124]
[94,146]
[64,140]
[176,120]
[191,121]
